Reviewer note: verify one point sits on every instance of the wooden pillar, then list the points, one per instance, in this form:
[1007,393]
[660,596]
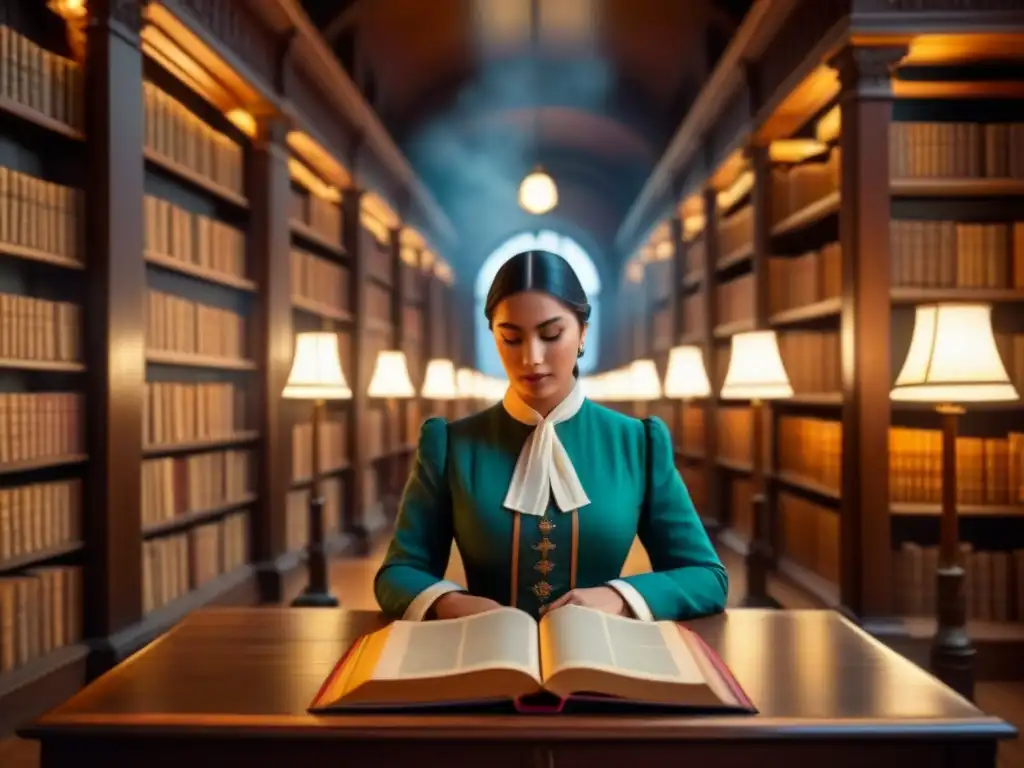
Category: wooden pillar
[362,369]
[396,410]
[716,517]
[114,322]
[865,104]
[269,242]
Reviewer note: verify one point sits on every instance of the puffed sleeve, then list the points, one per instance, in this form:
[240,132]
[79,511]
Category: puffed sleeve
[411,578]
[687,578]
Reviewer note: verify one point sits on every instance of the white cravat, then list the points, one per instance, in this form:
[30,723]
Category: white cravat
[544,468]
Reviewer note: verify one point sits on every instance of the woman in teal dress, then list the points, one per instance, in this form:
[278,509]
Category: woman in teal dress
[545,492]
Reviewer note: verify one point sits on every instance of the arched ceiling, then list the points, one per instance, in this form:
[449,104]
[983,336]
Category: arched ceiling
[479,91]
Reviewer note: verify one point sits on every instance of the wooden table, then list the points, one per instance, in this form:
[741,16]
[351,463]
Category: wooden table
[231,686]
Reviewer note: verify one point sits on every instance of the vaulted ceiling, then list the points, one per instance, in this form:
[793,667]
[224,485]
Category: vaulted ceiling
[477,92]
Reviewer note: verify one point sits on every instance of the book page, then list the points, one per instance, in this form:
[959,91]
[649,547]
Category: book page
[504,638]
[577,637]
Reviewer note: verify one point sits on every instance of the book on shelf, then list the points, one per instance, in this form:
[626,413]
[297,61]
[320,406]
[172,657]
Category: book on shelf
[573,658]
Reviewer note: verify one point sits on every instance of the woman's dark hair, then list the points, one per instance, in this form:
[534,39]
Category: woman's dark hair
[541,271]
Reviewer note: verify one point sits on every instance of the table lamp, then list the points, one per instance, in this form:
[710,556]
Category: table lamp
[952,360]
[439,381]
[645,384]
[390,382]
[316,375]
[756,373]
[686,377]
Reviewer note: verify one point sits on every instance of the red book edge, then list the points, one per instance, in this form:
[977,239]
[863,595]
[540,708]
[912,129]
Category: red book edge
[724,673]
[318,699]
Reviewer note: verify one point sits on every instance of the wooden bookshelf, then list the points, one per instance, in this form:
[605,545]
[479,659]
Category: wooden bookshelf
[834,250]
[158,252]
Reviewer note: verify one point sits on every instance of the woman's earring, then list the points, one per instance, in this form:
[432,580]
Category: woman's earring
[580,353]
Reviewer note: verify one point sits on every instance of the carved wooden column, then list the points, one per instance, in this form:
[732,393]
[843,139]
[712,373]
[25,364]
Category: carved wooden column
[115,323]
[362,368]
[715,515]
[865,104]
[269,241]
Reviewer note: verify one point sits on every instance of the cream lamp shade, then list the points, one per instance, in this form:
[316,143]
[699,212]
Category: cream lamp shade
[644,380]
[755,370]
[316,369]
[439,380]
[390,378]
[953,358]
[686,376]
[538,193]
[465,383]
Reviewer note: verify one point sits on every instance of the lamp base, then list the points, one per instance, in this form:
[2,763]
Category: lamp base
[953,653]
[312,599]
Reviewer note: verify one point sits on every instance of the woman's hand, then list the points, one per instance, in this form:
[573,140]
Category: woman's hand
[599,598]
[455,605]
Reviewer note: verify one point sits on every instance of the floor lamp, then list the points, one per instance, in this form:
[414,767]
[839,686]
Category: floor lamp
[756,373]
[439,383]
[645,385]
[316,375]
[952,360]
[390,382]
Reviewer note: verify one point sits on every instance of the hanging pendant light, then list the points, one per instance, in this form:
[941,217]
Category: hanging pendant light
[537,192]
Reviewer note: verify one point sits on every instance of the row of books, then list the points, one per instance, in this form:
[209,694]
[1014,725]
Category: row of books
[378,304]
[803,280]
[735,231]
[39,516]
[959,150]
[40,612]
[41,80]
[321,216]
[733,432]
[809,535]
[40,425]
[175,412]
[811,449]
[812,361]
[178,485]
[320,280]
[735,299]
[174,565]
[993,581]
[333,447]
[990,471]
[174,132]
[39,330]
[192,238]
[177,324]
[691,426]
[375,247]
[297,513]
[795,188]
[41,215]
[957,254]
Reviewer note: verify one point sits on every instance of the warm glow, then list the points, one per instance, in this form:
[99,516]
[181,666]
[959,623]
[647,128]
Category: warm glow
[953,358]
[791,151]
[439,380]
[693,226]
[755,370]
[68,9]
[686,376]
[644,380]
[664,250]
[829,126]
[243,121]
[316,369]
[635,271]
[302,174]
[735,192]
[390,378]
[538,193]
[314,154]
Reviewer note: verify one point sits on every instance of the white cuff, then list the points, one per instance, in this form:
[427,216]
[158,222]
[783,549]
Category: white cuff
[421,603]
[633,599]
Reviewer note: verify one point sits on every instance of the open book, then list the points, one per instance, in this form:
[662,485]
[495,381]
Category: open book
[572,654]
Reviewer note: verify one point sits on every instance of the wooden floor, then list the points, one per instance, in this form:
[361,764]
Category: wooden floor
[352,580]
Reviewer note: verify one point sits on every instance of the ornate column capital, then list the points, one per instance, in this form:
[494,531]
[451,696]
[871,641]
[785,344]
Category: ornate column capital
[867,71]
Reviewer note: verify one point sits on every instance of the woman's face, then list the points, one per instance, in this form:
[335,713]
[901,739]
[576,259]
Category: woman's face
[538,339]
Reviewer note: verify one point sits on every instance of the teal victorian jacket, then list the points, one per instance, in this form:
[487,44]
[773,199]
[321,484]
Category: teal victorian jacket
[456,491]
